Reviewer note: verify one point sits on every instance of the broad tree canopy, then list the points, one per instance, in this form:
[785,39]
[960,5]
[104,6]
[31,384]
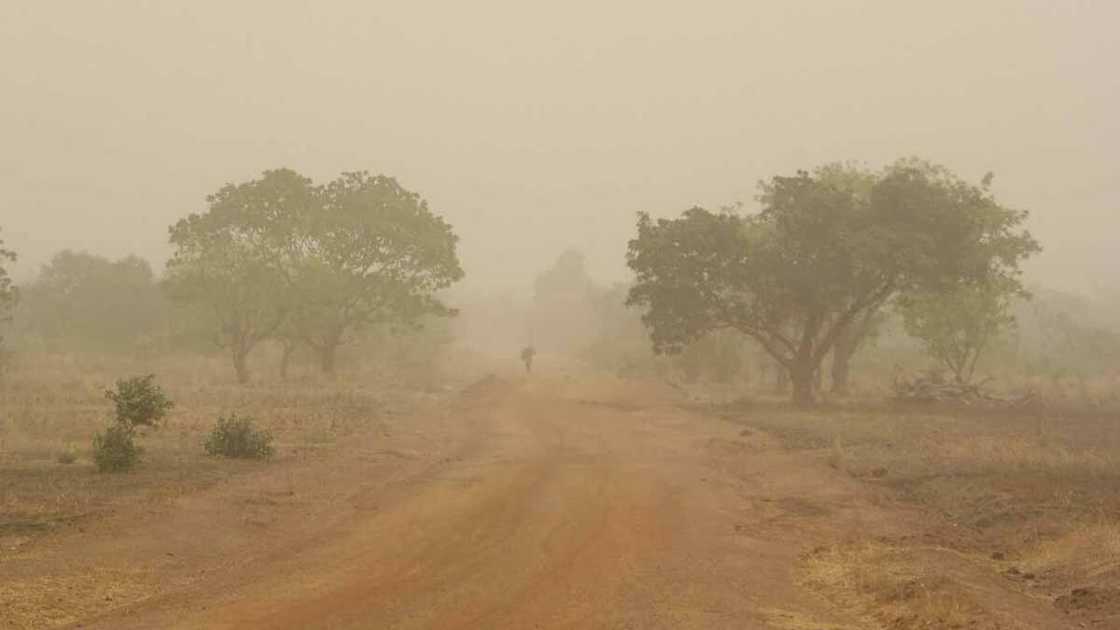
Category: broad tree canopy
[228,258]
[370,252]
[282,255]
[826,247]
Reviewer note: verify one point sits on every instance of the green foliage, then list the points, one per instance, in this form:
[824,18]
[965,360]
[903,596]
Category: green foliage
[280,256]
[826,248]
[225,260]
[720,356]
[368,253]
[957,325]
[238,437]
[115,450]
[139,401]
[81,301]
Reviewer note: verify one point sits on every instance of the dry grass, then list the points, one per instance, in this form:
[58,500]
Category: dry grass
[52,405]
[1037,491]
[963,464]
[1087,553]
[794,620]
[890,588]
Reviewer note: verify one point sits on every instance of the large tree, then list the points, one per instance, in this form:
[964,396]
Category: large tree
[818,256]
[279,257]
[229,258]
[369,252]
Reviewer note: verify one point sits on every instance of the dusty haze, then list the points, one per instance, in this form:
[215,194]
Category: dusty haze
[533,127]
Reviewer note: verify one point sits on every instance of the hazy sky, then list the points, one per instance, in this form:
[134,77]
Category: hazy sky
[537,126]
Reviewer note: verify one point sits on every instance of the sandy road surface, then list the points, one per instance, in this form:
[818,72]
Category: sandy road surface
[592,504]
[523,503]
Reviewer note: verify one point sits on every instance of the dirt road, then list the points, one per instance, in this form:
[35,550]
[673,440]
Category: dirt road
[531,504]
[562,505]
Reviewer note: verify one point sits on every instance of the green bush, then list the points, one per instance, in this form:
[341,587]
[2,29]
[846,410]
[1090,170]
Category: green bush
[237,437]
[139,401]
[115,450]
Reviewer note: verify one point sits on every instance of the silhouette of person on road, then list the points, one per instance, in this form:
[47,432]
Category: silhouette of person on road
[527,354]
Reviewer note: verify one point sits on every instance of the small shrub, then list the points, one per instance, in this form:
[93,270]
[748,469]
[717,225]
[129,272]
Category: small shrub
[237,437]
[115,450]
[139,401]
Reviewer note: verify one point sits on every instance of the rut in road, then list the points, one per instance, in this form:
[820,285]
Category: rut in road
[571,504]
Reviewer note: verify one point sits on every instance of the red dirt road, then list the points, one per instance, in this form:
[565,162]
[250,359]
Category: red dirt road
[537,504]
[566,506]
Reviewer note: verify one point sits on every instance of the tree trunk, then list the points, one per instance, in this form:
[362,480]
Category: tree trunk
[841,361]
[328,350]
[327,358]
[286,359]
[803,374]
[782,380]
[241,363]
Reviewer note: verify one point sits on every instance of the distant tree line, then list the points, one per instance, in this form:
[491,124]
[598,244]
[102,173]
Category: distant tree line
[81,301]
[834,260]
[276,258]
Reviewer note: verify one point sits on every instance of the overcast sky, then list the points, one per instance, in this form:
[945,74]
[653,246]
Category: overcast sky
[538,126]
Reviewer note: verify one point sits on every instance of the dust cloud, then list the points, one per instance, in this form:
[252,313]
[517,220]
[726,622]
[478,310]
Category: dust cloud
[585,314]
[535,128]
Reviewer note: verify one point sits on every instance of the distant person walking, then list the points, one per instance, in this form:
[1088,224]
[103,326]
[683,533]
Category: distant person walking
[527,354]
